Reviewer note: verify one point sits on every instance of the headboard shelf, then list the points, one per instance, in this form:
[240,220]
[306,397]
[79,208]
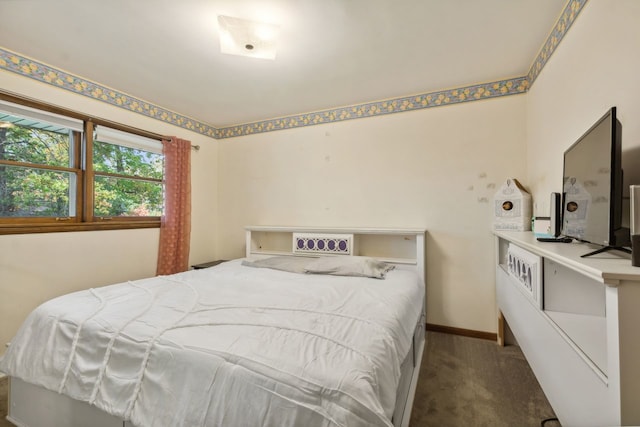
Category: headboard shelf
[355,230]
[402,246]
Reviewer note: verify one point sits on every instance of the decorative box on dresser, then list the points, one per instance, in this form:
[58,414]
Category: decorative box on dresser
[577,321]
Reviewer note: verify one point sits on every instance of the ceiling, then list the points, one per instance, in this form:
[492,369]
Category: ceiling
[331,53]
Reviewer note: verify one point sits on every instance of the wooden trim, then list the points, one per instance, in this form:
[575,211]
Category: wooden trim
[87,167]
[127,218]
[33,103]
[77,164]
[39,105]
[18,221]
[500,337]
[87,226]
[463,332]
[123,176]
[41,166]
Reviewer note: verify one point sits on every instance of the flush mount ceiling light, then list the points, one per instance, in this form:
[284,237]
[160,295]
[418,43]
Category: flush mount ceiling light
[247,38]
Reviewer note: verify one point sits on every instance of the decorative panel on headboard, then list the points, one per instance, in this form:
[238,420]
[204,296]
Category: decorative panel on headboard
[337,244]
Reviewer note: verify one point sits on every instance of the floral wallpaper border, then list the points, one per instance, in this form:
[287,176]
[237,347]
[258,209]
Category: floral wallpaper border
[377,108]
[567,18]
[16,63]
[44,73]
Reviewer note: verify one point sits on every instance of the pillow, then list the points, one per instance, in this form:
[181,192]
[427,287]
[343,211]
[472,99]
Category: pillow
[350,266]
[292,264]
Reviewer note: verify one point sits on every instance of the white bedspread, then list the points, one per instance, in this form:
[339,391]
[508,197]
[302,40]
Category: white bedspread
[227,346]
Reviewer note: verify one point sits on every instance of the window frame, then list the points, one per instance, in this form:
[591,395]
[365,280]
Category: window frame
[82,159]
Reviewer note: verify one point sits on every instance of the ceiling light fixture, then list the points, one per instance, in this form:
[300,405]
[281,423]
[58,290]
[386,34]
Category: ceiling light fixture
[247,38]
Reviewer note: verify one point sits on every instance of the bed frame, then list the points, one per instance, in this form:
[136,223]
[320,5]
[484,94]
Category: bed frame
[34,406]
[405,248]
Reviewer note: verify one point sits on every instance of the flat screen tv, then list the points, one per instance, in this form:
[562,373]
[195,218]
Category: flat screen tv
[592,187]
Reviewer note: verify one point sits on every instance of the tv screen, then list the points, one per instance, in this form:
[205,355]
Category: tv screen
[592,185]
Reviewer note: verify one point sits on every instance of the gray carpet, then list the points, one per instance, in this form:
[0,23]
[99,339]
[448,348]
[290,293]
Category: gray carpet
[464,381]
[474,382]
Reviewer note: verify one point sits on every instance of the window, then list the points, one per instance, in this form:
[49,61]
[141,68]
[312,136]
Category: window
[127,175]
[59,173]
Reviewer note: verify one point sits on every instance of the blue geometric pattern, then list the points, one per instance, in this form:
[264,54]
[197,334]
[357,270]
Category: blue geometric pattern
[16,63]
[335,245]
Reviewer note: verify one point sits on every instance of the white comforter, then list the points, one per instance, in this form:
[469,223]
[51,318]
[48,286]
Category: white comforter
[227,346]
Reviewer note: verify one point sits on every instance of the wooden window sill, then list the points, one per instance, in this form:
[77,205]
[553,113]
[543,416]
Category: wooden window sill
[85,226]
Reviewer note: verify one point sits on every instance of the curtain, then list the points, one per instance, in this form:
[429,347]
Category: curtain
[175,228]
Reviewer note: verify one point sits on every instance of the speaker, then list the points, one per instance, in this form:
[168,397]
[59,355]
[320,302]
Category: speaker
[634,223]
[555,214]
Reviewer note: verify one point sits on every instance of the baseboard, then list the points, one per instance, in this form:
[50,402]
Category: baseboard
[464,332]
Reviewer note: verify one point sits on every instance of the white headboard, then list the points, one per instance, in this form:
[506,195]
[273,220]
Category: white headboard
[400,246]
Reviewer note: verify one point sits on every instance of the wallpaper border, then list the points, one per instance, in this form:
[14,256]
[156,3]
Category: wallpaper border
[16,63]
[441,98]
[565,21]
[27,67]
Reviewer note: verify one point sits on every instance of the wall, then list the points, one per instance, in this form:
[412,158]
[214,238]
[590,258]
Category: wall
[595,67]
[436,168]
[37,267]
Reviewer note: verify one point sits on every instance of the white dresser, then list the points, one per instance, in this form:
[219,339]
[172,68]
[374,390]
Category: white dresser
[577,321]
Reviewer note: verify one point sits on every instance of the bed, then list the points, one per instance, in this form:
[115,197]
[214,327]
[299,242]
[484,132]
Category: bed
[312,332]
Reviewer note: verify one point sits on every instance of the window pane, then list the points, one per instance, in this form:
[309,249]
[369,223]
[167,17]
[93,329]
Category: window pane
[126,161]
[22,140]
[126,197]
[26,192]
